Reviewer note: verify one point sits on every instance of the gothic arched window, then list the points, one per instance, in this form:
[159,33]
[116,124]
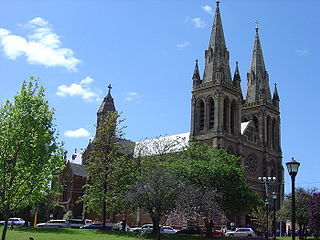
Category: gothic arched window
[274,134]
[255,123]
[211,113]
[200,108]
[233,117]
[226,104]
[268,131]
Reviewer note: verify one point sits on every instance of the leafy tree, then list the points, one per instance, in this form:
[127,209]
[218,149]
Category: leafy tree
[302,200]
[314,213]
[214,170]
[156,186]
[30,154]
[105,152]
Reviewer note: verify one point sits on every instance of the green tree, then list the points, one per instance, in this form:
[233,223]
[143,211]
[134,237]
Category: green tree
[210,169]
[302,215]
[30,154]
[156,187]
[106,152]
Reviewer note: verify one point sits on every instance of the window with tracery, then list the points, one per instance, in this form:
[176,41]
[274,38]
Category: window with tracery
[211,113]
[251,163]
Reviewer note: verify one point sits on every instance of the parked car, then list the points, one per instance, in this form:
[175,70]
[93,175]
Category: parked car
[54,224]
[241,232]
[168,230]
[145,228]
[148,228]
[77,223]
[214,232]
[190,230]
[15,221]
[96,225]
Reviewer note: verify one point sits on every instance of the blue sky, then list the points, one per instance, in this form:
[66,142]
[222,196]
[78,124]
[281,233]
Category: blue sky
[146,49]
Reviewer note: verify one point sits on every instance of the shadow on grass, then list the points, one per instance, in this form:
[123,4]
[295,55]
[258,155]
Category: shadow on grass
[47,230]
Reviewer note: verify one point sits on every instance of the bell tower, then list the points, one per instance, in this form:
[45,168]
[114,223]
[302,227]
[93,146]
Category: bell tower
[216,98]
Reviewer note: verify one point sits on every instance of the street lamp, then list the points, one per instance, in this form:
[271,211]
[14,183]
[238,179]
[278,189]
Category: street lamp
[267,214]
[274,197]
[293,167]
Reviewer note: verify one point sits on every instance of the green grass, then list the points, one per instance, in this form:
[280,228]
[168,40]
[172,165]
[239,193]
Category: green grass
[87,234]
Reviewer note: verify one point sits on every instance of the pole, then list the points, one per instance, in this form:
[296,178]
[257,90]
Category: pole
[267,211]
[274,220]
[293,220]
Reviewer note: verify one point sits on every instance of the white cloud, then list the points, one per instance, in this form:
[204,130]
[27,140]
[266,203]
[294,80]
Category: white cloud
[183,45]
[198,22]
[132,97]
[302,52]
[207,9]
[41,46]
[80,132]
[81,89]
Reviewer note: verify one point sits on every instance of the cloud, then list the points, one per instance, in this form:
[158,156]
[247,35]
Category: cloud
[207,9]
[302,52]
[198,22]
[80,132]
[81,89]
[132,97]
[183,45]
[42,46]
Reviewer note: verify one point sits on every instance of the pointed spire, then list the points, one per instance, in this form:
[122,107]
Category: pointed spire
[237,79]
[275,93]
[196,76]
[258,79]
[257,62]
[217,36]
[107,104]
[236,76]
[217,56]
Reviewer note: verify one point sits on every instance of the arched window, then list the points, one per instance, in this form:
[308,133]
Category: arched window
[256,123]
[226,104]
[268,131]
[211,113]
[233,117]
[274,134]
[200,115]
[251,163]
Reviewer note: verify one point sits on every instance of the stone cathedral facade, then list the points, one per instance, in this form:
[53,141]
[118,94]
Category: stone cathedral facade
[221,116]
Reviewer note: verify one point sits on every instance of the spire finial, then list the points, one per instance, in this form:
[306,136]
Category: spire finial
[257,25]
[196,60]
[275,84]
[110,87]
[217,2]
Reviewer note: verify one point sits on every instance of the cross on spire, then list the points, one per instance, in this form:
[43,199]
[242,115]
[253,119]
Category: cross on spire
[257,25]
[218,2]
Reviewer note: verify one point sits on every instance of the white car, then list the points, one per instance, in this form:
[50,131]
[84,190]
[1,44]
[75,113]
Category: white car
[147,228]
[241,232]
[168,230]
[54,224]
[15,221]
[77,223]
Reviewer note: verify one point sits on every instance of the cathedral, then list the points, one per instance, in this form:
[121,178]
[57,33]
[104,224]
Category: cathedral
[247,127]
[221,116]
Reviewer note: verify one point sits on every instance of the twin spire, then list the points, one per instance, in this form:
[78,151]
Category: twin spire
[217,65]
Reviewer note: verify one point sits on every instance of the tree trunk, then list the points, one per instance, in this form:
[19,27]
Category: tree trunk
[156,227]
[5,227]
[104,214]
[209,226]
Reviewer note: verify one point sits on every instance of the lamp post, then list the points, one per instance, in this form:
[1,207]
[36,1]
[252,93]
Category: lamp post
[293,167]
[267,214]
[274,197]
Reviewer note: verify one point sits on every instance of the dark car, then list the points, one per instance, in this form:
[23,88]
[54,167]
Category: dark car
[190,230]
[96,225]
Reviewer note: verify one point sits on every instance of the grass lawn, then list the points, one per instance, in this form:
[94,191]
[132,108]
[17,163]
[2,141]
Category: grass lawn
[87,234]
